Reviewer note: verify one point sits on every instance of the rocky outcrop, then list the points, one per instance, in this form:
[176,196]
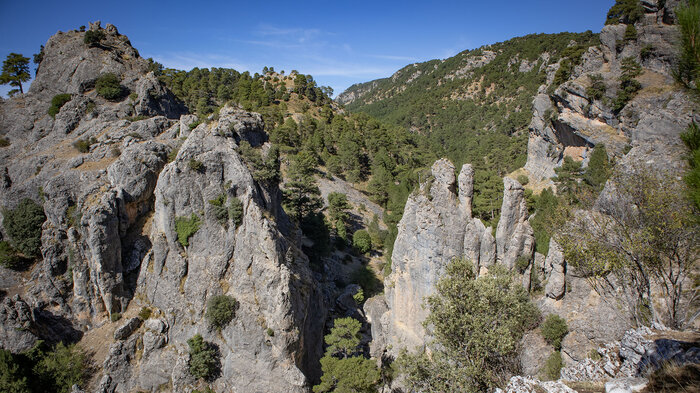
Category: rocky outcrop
[253,261]
[570,122]
[556,268]
[436,227]
[17,325]
[514,235]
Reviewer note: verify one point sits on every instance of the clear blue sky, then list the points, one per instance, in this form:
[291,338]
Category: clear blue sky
[338,42]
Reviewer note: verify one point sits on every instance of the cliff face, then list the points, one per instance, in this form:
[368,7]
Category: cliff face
[572,120]
[110,242]
[436,227]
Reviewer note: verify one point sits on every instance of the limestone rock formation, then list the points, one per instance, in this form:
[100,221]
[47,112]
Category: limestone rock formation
[436,227]
[570,122]
[112,197]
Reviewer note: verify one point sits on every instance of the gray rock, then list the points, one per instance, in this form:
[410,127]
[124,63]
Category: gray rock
[16,325]
[125,330]
[534,353]
[556,266]
[626,385]
[520,384]
[514,236]
[155,325]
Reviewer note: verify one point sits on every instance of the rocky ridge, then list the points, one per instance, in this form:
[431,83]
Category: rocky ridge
[110,242]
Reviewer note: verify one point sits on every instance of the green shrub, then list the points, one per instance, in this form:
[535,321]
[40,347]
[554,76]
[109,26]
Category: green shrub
[270,332]
[597,88]
[133,96]
[8,256]
[203,358]
[625,11]
[552,368]
[11,376]
[630,33]
[23,226]
[474,358]
[4,142]
[83,145]
[57,102]
[220,310]
[194,124]
[235,211]
[362,241]
[522,263]
[219,209]
[359,296]
[115,317]
[522,179]
[195,165]
[73,216]
[186,227]
[554,329]
[145,313]
[108,87]
[173,154]
[93,37]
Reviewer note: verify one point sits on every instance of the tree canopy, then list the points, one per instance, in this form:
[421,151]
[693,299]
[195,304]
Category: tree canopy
[15,70]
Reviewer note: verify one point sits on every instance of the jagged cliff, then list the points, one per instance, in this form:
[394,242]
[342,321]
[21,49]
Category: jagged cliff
[110,246]
[573,118]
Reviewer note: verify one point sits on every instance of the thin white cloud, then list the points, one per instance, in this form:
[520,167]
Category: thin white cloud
[188,60]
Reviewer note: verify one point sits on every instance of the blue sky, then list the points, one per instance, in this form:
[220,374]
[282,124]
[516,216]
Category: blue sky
[338,42]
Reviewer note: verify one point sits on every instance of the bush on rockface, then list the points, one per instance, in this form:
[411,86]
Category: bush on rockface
[108,87]
[220,310]
[57,102]
[204,360]
[23,225]
[554,329]
[185,228]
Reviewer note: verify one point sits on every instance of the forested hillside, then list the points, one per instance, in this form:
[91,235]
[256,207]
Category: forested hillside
[474,107]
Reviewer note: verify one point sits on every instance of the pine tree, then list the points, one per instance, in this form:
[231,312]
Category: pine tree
[15,70]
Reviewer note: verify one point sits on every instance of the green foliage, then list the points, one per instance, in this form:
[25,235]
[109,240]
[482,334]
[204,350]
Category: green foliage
[4,142]
[108,87]
[362,241]
[348,375]
[15,70]
[218,206]
[57,102]
[115,317]
[23,226]
[552,368]
[301,195]
[630,33]
[599,168]
[344,368]
[688,66]
[597,88]
[145,313]
[265,169]
[625,11]
[83,145]
[11,378]
[186,227]
[204,361]
[568,179]
[522,263]
[338,207]
[315,227]
[344,338]
[270,332]
[691,139]
[359,296]
[647,237]
[628,85]
[523,179]
[195,165]
[172,154]
[220,310]
[73,216]
[235,211]
[93,37]
[477,325]
[9,257]
[554,329]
